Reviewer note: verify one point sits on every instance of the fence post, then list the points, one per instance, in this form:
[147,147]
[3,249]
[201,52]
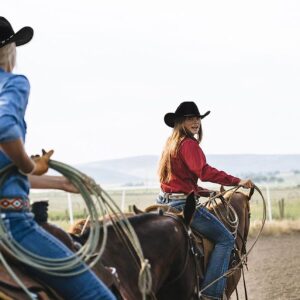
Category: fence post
[70,209]
[281,208]
[269,203]
[123,200]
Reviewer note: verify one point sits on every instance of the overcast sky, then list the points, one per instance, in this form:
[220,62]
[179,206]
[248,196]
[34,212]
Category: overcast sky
[104,73]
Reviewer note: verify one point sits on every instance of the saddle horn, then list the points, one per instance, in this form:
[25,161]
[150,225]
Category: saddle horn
[251,192]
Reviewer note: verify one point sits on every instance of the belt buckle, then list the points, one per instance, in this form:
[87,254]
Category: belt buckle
[178,196]
[166,198]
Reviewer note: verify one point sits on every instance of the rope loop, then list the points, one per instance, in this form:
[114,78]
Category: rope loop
[98,203]
[145,278]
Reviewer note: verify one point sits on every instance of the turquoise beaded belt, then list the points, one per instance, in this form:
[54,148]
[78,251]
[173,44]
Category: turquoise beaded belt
[14,204]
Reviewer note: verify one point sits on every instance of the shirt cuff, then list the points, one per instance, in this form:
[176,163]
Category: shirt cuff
[11,131]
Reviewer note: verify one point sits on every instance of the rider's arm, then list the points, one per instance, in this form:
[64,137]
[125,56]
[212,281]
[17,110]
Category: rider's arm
[52,182]
[195,160]
[16,152]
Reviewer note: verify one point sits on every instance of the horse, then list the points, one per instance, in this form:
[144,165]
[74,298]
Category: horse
[240,203]
[173,274]
[167,243]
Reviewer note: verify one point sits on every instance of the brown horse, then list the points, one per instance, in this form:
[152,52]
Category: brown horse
[173,274]
[166,242]
[240,203]
[241,210]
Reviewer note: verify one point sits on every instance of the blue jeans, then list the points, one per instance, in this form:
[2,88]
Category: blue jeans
[208,225]
[85,286]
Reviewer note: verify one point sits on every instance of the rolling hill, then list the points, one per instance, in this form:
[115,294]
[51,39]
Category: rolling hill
[141,170]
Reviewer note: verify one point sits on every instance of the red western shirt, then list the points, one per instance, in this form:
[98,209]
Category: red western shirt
[189,165]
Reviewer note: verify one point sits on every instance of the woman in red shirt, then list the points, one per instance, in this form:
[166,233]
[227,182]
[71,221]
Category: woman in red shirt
[181,165]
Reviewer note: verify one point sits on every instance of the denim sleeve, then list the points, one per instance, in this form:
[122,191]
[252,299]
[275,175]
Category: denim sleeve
[13,102]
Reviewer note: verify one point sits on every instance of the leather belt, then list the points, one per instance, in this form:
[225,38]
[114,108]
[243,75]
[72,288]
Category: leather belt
[173,196]
[14,204]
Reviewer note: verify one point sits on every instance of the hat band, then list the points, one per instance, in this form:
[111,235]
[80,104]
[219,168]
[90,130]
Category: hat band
[6,40]
[191,115]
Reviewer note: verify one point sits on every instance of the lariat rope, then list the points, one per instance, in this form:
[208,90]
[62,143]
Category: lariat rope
[98,203]
[243,258]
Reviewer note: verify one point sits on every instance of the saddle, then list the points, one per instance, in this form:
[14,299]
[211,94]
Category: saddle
[202,247]
[10,290]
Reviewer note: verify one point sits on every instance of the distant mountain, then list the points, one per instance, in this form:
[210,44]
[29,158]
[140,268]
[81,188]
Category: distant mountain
[256,164]
[139,170]
[142,170]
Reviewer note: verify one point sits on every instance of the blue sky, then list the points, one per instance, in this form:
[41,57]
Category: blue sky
[104,73]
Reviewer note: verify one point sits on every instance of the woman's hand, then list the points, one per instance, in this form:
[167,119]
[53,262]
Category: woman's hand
[246,183]
[41,162]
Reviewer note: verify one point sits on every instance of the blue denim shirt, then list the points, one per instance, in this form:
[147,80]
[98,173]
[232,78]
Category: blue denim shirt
[14,92]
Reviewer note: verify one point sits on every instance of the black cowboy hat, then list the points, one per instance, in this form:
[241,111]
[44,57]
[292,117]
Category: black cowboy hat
[7,34]
[185,109]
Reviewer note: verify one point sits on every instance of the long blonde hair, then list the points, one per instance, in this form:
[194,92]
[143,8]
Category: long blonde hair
[8,57]
[171,148]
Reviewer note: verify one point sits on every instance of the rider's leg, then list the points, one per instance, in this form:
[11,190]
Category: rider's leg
[85,286]
[208,225]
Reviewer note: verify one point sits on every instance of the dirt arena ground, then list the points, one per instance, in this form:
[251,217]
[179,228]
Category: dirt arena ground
[274,269]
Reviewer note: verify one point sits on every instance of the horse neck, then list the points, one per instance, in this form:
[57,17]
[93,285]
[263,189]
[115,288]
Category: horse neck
[162,237]
[179,265]
[240,203]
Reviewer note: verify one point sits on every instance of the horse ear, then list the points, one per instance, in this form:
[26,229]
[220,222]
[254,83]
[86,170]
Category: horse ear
[222,190]
[189,209]
[136,210]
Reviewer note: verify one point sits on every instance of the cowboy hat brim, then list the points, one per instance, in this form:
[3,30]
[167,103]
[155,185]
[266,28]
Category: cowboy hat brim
[170,118]
[21,37]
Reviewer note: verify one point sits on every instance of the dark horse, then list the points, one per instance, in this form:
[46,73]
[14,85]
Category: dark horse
[167,244]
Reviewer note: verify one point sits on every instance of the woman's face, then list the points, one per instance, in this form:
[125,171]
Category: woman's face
[192,124]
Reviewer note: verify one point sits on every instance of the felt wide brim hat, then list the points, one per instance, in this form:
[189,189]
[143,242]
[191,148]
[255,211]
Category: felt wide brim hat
[185,109]
[7,34]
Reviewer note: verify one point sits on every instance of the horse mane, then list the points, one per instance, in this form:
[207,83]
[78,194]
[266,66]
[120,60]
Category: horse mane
[228,194]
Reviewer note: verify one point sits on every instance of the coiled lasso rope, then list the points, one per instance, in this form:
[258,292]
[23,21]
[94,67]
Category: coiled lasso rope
[98,203]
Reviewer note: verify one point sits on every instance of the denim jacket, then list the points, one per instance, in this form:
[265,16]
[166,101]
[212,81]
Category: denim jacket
[14,92]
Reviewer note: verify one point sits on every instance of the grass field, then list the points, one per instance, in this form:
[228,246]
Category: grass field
[58,206]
